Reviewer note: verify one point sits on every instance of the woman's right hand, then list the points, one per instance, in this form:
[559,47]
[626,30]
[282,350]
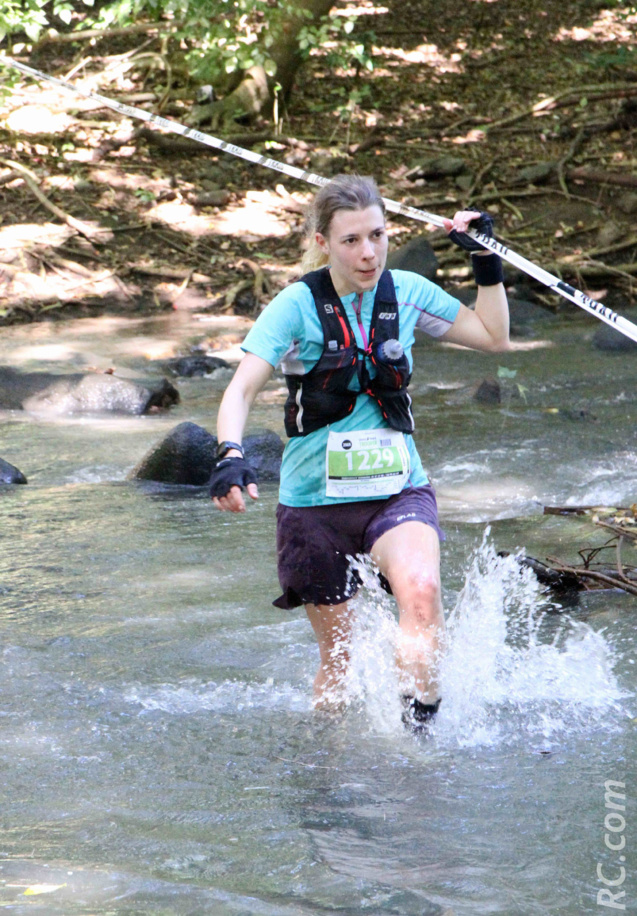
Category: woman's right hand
[228,478]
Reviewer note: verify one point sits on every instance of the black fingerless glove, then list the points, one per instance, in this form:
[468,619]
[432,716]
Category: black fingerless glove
[482,224]
[231,472]
[487,268]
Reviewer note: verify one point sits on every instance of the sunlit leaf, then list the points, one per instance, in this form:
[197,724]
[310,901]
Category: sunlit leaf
[42,889]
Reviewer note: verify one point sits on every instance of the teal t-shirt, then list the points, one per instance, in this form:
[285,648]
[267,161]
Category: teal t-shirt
[288,333]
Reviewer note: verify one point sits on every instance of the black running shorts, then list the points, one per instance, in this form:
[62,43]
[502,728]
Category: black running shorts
[314,543]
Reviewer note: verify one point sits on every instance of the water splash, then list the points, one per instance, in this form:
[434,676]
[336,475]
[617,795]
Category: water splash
[507,675]
[510,672]
[372,679]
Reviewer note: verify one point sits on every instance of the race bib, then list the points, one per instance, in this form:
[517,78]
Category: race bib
[371,463]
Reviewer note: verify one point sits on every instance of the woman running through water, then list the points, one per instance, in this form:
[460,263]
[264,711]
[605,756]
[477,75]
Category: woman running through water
[352,481]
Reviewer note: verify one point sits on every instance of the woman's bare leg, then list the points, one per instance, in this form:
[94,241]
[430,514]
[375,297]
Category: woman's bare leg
[332,626]
[409,557]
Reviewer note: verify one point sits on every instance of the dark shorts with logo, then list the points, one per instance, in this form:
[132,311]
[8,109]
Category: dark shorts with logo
[315,542]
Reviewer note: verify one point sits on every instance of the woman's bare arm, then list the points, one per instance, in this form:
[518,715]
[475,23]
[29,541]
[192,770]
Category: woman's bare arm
[251,376]
[487,326]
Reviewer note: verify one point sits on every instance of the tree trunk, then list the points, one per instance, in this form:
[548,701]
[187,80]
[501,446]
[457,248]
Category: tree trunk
[248,93]
[287,56]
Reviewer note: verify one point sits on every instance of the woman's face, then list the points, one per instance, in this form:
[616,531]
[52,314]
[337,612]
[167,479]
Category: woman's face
[356,246]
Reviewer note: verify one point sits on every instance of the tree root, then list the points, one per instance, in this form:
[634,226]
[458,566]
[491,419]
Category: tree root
[259,286]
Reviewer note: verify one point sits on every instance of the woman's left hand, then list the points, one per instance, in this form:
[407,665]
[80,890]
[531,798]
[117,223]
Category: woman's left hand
[458,226]
[461,220]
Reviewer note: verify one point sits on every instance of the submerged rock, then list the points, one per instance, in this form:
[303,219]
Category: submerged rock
[196,365]
[43,392]
[489,391]
[611,340]
[9,473]
[187,454]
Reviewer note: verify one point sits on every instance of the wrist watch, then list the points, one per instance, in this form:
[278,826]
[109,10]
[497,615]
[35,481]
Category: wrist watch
[225,447]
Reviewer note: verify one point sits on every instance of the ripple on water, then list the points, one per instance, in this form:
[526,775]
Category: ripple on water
[232,697]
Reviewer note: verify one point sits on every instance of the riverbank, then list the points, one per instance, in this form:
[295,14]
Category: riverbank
[100,215]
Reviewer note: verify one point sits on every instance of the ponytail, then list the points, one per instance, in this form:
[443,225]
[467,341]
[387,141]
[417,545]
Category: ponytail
[314,257]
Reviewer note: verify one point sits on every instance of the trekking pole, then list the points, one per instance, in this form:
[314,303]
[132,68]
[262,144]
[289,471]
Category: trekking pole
[554,283]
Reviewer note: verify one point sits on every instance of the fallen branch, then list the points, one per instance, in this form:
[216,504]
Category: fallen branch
[185,145]
[61,37]
[258,286]
[31,180]
[170,273]
[630,242]
[601,177]
[488,196]
[622,522]
[610,581]
[261,284]
[619,530]
[620,565]
[592,268]
[567,510]
[598,94]
[565,98]
[566,158]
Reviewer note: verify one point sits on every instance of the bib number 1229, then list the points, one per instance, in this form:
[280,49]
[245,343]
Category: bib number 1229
[370,463]
[375,459]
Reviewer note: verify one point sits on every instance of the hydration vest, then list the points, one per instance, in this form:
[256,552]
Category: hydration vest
[323,395]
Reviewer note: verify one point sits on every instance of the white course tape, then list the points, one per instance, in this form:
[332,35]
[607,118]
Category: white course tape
[538,273]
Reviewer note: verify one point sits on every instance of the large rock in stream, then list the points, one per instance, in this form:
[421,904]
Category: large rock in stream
[187,454]
[60,395]
[416,255]
[9,473]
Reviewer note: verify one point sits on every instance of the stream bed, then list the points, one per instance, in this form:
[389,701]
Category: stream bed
[158,749]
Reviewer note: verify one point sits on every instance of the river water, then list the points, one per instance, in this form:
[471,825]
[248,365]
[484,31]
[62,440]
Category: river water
[158,750]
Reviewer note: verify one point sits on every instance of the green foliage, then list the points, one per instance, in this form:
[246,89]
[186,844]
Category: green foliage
[503,372]
[8,79]
[220,36]
[31,17]
[28,17]
[333,34]
[622,58]
[144,195]
[217,37]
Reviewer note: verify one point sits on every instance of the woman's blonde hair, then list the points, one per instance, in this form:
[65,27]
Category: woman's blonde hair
[344,192]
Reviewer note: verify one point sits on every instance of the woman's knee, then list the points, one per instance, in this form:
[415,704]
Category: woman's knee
[418,593]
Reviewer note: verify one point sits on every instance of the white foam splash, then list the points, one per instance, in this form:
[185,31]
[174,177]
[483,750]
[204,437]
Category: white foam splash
[509,673]
[502,677]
